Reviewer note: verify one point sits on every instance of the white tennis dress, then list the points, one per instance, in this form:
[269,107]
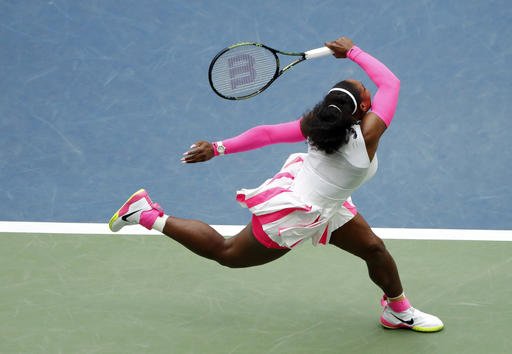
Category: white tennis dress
[310,196]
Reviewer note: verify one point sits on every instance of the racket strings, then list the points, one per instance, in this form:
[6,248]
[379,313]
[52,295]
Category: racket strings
[243,71]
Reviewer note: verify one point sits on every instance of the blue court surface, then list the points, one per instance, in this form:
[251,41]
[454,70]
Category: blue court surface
[101,98]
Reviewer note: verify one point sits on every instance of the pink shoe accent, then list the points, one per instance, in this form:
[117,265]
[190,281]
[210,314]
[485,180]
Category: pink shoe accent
[391,325]
[137,196]
[148,217]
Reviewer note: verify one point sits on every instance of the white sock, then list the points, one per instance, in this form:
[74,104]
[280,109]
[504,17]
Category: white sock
[160,223]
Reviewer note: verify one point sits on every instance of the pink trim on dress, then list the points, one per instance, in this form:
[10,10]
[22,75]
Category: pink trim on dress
[261,236]
[282,175]
[323,239]
[261,197]
[351,207]
[271,217]
[296,243]
[295,160]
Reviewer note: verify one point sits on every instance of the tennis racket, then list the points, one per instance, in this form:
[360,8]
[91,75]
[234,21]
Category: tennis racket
[246,69]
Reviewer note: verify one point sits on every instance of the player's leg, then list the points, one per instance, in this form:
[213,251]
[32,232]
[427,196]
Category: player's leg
[242,250]
[357,238]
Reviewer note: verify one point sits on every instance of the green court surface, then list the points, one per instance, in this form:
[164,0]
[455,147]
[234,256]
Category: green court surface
[147,294]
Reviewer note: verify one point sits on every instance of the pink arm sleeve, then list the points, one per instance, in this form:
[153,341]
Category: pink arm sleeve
[388,85]
[263,135]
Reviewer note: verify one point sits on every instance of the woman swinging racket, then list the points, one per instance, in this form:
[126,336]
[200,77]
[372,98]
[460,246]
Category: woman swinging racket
[309,198]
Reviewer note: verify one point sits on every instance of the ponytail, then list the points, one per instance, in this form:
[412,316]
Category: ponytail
[329,123]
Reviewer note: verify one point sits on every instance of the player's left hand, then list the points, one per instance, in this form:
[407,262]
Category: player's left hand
[340,47]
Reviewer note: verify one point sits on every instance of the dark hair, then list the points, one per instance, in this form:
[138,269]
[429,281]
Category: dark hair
[329,123]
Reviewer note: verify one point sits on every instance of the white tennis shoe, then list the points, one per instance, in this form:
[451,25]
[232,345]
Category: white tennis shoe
[410,319]
[138,209]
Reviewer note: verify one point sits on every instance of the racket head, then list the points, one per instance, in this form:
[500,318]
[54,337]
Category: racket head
[243,70]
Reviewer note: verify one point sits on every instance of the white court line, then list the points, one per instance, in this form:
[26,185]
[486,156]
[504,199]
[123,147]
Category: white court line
[229,230]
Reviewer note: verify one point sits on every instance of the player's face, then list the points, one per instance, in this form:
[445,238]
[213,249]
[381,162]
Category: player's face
[366,98]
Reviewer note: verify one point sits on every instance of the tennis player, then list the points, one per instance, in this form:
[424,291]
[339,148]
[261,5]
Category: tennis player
[309,198]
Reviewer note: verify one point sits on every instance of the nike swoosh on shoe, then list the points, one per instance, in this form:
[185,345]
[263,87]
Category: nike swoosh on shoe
[126,216]
[408,322]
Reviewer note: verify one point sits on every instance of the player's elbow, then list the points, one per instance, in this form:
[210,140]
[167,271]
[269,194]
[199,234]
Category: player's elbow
[394,83]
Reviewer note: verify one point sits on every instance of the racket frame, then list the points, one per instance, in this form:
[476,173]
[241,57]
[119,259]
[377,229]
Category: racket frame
[278,72]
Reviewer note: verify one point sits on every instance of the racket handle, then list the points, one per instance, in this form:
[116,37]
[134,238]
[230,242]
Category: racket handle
[318,52]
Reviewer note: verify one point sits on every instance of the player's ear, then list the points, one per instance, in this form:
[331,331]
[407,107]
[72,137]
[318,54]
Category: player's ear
[364,107]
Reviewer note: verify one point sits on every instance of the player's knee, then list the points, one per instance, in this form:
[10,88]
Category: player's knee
[226,256]
[375,249]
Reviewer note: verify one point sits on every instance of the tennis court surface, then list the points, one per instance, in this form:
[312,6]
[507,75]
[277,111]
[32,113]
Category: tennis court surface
[101,98]
[143,293]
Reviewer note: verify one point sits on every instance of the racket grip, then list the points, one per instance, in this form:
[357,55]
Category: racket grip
[317,53]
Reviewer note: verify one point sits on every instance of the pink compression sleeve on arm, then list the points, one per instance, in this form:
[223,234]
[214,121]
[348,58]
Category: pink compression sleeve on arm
[263,135]
[388,85]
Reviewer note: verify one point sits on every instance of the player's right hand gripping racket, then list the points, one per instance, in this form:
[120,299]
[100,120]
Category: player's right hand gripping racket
[246,69]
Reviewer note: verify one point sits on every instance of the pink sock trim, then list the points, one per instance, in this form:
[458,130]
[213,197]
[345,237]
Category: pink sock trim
[399,306]
[147,218]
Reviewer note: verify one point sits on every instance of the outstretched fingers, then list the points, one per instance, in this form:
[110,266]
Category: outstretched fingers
[198,152]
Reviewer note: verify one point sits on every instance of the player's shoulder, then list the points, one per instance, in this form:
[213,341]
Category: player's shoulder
[372,127]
